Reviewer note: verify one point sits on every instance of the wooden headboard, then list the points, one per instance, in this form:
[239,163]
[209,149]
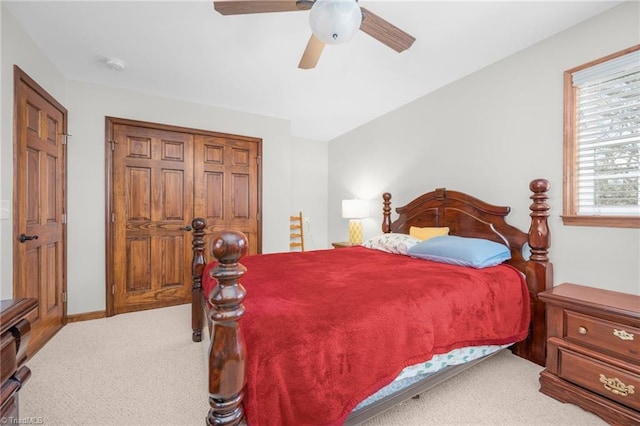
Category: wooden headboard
[467,216]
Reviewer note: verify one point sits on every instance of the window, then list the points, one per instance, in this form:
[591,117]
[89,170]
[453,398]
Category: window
[602,142]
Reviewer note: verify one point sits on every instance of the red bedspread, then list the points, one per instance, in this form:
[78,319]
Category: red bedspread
[326,329]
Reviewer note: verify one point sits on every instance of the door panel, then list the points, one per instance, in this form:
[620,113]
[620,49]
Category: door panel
[139,272]
[152,204]
[213,182]
[39,203]
[241,193]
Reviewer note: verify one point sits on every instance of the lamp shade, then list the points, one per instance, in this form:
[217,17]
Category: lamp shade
[335,21]
[355,209]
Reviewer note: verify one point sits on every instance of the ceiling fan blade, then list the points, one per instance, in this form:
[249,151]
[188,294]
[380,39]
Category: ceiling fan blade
[311,54]
[385,32]
[242,7]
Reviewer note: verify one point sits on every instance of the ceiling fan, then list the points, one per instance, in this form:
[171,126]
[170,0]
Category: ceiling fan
[332,22]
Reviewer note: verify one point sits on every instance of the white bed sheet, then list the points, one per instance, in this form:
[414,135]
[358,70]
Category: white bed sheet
[416,372]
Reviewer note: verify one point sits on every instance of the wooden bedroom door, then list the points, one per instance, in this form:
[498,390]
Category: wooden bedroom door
[152,207]
[39,205]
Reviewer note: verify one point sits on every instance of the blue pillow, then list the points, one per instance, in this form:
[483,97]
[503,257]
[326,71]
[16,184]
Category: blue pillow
[474,252]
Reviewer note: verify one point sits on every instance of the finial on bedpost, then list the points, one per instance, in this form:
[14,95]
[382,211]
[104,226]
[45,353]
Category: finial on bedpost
[197,266]
[228,247]
[227,351]
[539,231]
[386,213]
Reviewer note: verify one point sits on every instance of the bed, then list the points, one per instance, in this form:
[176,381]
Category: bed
[339,336]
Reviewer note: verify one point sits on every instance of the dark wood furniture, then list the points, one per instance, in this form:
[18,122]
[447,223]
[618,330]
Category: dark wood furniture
[465,216]
[593,351]
[15,330]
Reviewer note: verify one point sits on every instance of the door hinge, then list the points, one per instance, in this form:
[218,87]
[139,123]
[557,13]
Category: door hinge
[113,289]
[258,159]
[66,138]
[113,217]
[64,218]
[64,297]
[113,144]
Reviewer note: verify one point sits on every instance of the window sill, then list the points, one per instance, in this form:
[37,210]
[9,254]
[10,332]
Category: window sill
[603,221]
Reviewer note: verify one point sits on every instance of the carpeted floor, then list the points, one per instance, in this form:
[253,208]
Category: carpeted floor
[142,369]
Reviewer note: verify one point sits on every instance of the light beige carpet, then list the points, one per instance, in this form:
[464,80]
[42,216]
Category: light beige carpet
[142,369]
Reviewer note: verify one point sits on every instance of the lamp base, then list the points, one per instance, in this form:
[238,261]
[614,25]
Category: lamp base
[355,231]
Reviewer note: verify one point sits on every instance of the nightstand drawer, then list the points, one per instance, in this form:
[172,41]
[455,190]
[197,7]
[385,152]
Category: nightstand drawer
[611,382]
[601,334]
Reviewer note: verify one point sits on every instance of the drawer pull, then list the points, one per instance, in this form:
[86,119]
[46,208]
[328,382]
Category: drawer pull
[622,334]
[582,330]
[616,387]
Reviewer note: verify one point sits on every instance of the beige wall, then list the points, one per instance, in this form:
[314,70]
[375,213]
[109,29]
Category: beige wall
[88,105]
[489,134]
[309,169]
[18,49]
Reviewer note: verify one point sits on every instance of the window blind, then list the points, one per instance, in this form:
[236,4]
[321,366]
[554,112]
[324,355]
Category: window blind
[608,137]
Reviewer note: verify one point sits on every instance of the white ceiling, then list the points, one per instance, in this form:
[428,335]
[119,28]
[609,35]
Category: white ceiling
[186,50]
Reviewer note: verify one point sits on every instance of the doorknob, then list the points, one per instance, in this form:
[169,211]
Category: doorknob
[187,228]
[24,237]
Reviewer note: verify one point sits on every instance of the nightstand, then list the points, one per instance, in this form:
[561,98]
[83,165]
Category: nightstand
[343,244]
[593,351]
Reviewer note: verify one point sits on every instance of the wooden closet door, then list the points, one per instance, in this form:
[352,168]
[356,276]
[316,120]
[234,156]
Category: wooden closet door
[152,206]
[159,178]
[227,186]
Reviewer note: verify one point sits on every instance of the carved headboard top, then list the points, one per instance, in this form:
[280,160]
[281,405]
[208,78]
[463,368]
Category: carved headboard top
[466,216]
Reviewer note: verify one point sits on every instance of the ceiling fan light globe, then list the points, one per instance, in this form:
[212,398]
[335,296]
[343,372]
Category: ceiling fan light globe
[335,21]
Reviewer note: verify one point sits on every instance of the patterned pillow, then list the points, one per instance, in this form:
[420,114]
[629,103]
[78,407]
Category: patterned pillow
[392,243]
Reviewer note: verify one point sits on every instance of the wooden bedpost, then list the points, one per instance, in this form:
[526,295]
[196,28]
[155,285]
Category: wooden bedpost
[227,350]
[539,272]
[197,266]
[539,238]
[386,213]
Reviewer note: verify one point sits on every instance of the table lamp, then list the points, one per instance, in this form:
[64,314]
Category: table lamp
[355,210]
